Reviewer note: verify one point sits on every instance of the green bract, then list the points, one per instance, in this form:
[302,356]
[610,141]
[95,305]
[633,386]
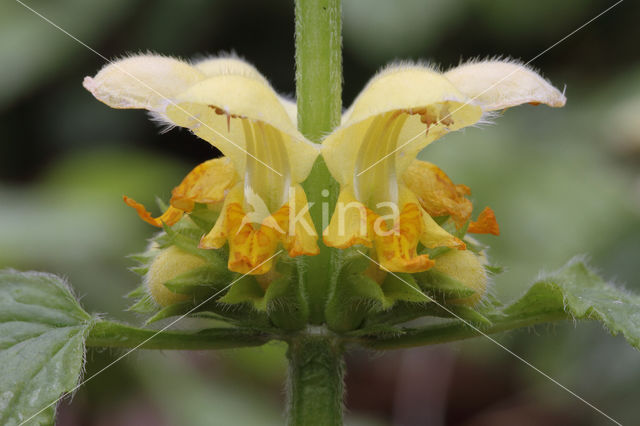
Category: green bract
[356,298]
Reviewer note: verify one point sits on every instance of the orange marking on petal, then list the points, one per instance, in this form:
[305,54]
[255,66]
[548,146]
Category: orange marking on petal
[252,244]
[397,248]
[437,194]
[486,223]
[170,217]
[207,183]
[356,229]
[249,248]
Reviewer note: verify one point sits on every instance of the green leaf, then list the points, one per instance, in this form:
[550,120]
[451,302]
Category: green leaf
[583,295]
[42,332]
[574,292]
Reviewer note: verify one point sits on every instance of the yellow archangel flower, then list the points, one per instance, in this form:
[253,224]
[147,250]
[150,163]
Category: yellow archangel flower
[388,199]
[226,102]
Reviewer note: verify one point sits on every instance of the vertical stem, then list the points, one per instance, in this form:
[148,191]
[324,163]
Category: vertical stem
[319,98]
[318,66]
[316,368]
[315,385]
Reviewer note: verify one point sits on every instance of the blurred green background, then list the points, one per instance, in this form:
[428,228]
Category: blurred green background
[562,182]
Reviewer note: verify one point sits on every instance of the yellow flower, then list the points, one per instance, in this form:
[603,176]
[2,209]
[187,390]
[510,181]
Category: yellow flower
[388,199]
[229,104]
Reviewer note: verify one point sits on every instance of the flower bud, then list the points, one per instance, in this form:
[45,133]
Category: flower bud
[170,263]
[466,267]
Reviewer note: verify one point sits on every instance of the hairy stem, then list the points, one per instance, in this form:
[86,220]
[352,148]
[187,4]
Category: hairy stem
[318,66]
[319,98]
[315,385]
[315,389]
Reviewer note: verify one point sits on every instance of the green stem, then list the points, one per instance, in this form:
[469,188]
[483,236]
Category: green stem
[319,99]
[318,66]
[315,362]
[449,332]
[114,335]
[315,387]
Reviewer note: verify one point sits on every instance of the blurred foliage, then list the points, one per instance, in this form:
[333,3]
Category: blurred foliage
[562,182]
[73,221]
[192,400]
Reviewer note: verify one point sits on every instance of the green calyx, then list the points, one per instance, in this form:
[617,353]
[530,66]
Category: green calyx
[181,279]
[363,297]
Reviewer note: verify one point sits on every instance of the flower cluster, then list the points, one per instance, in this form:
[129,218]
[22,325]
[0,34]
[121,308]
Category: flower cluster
[405,213]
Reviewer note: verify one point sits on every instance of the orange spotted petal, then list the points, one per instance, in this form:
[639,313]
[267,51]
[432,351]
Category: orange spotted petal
[395,244]
[251,250]
[351,223]
[396,248]
[169,217]
[207,183]
[437,194]
[301,237]
[228,219]
[486,223]
[252,245]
